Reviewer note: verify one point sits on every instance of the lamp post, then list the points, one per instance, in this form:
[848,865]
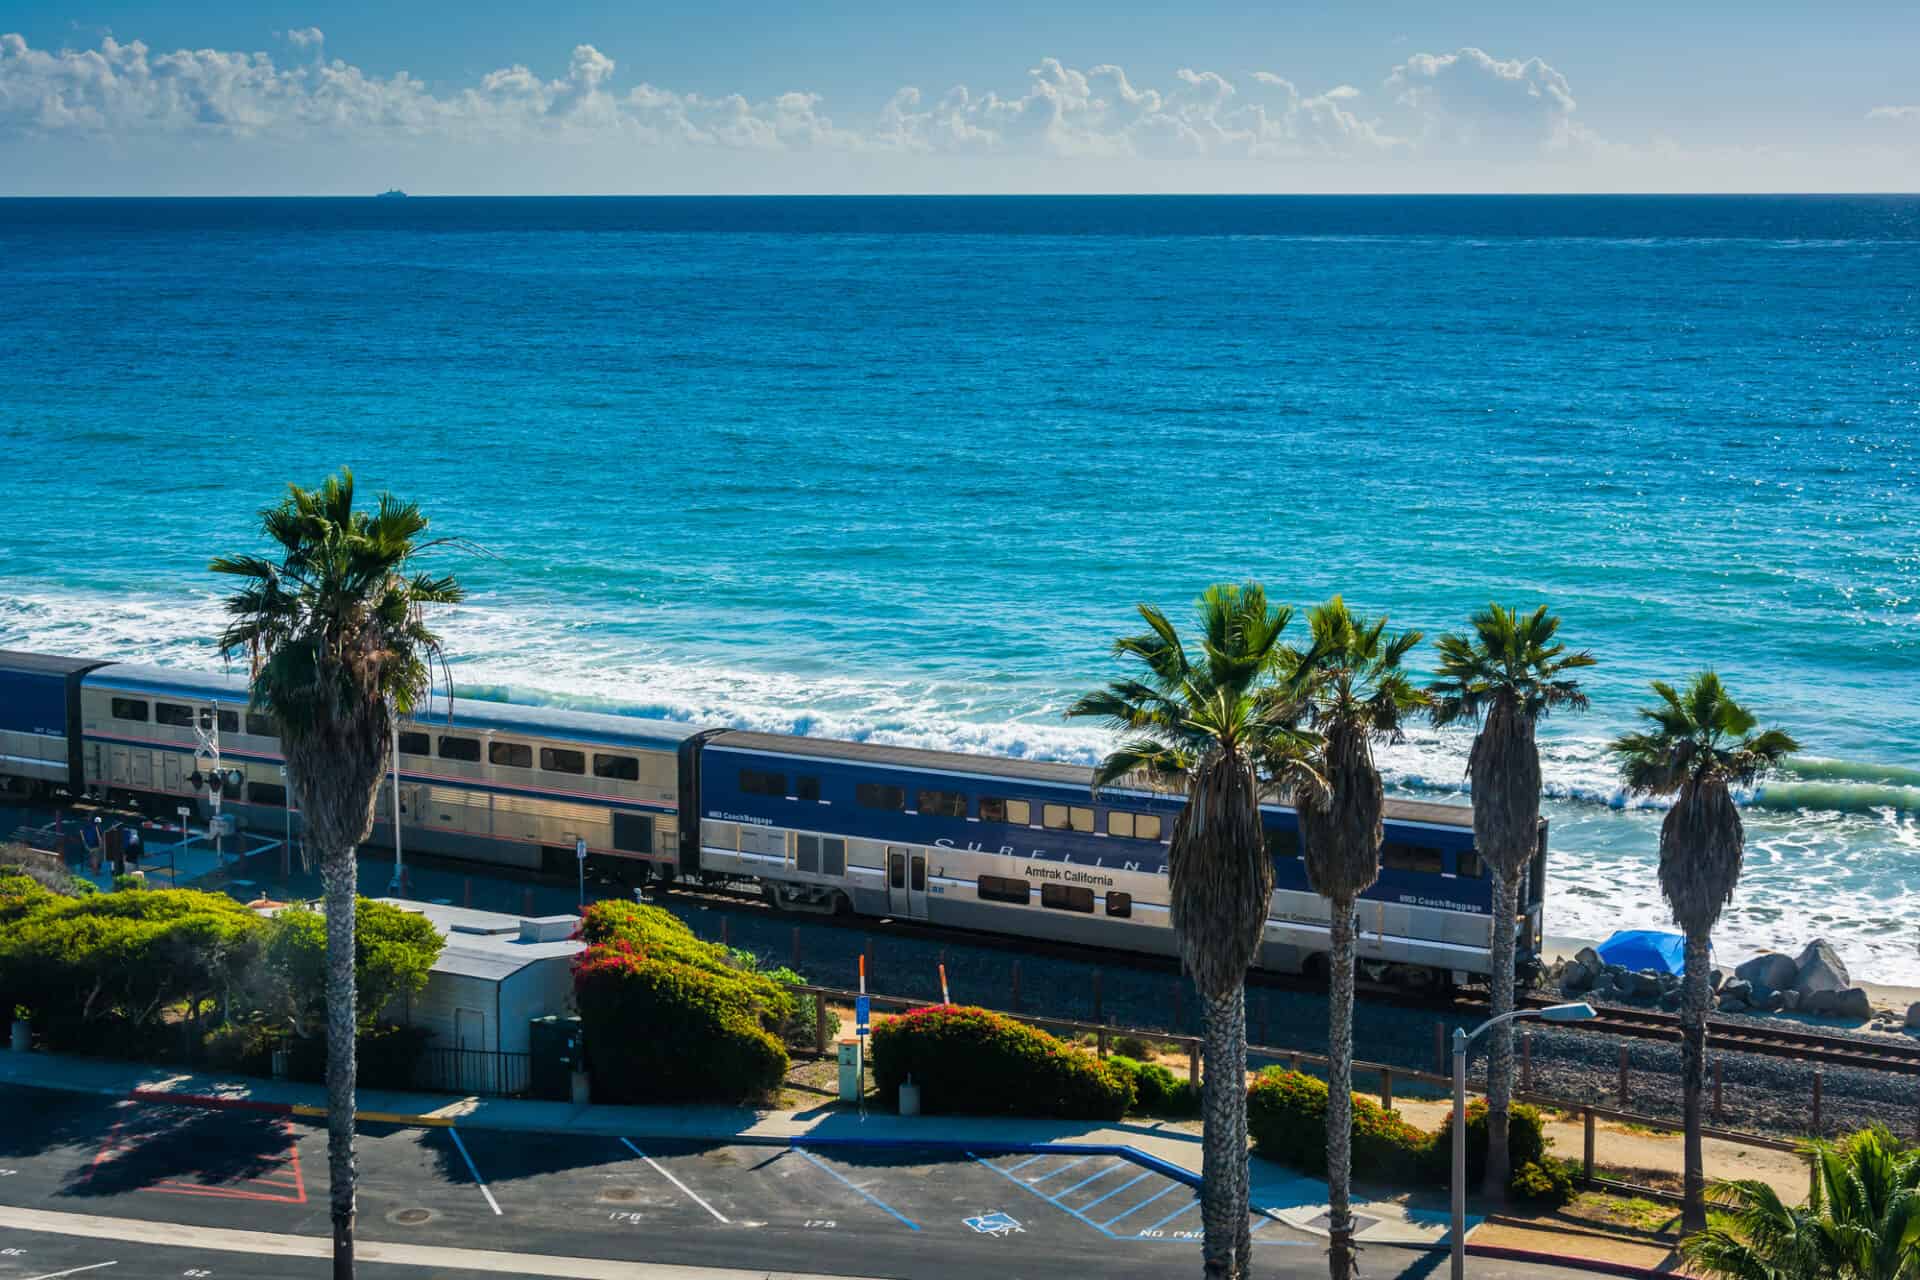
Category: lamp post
[1461,1039]
[398,887]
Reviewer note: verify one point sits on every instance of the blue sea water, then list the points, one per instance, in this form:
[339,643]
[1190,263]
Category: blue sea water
[900,468]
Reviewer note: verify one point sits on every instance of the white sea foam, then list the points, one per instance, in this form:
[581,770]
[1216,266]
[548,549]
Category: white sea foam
[1833,848]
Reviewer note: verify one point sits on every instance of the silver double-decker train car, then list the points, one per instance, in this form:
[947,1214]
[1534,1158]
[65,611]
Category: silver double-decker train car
[1003,846]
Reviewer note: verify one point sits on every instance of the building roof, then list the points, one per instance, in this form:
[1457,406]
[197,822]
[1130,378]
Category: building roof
[489,944]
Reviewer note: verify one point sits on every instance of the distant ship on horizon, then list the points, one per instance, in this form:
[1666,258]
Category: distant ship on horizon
[391,193]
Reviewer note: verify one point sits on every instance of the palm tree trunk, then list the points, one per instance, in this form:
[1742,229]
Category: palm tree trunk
[1227,1240]
[1695,995]
[1341,1261]
[341,876]
[1500,1040]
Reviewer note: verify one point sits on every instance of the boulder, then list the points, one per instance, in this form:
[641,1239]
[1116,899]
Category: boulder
[1818,1003]
[1913,1016]
[1646,983]
[1736,989]
[1770,1002]
[1853,1003]
[1575,980]
[1590,959]
[1714,978]
[1821,969]
[1789,1000]
[1732,1004]
[1670,1000]
[1770,970]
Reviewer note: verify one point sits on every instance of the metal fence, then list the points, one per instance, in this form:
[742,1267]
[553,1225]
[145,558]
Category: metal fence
[486,1072]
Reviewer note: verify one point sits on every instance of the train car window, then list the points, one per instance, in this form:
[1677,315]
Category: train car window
[1080,819]
[229,721]
[415,744]
[467,749]
[944,804]
[806,854]
[1003,889]
[1120,905]
[1283,844]
[263,727]
[759,782]
[1067,897]
[1469,864]
[633,832]
[995,809]
[1146,826]
[173,713]
[879,795]
[1411,857]
[833,857]
[896,870]
[806,788]
[619,768]
[919,874]
[1053,817]
[560,760]
[130,709]
[270,793]
[512,755]
[1120,824]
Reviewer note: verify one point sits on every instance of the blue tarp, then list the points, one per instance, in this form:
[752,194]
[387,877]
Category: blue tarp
[1639,949]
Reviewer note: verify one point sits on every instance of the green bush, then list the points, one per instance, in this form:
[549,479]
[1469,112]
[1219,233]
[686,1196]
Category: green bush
[977,1061]
[1156,1090]
[1138,1048]
[1546,1182]
[1287,1117]
[394,951]
[660,1029]
[1526,1143]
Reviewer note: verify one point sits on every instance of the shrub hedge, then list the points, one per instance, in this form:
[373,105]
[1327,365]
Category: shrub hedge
[969,1060]
[1156,1090]
[669,1017]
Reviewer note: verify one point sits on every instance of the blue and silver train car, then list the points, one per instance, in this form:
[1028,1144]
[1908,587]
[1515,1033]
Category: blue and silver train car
[1011,846]
[39,705]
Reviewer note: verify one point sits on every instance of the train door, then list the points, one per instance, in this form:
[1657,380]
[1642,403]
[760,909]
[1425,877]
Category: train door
[117,765]
[907,882]
[170,781]
[141,778]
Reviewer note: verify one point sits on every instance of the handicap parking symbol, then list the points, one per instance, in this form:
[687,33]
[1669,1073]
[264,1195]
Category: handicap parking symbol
[996,1224]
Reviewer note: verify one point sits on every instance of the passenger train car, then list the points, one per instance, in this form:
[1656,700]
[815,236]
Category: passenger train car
[977,842]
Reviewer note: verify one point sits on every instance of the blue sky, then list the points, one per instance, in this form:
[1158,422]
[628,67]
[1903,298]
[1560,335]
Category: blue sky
[135,96]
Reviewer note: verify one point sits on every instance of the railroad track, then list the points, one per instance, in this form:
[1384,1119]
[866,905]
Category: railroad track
[1783,1041]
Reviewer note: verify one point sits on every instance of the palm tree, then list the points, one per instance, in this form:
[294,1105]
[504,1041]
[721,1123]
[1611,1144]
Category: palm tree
[334,633]
[1503,677]
[1702,745]
[1202,722]
[1348,688]
[1861,1220]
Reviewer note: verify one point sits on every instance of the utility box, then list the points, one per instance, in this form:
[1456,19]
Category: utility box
[852,1070]
[554,1048]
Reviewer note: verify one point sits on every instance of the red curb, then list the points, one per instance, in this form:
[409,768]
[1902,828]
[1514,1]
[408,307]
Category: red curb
[212,1103]
[1505,1254]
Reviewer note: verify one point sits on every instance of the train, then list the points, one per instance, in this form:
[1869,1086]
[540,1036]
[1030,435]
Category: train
[1004,846]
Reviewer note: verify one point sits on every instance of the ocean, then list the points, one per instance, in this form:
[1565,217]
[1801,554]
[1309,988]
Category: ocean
[899,469]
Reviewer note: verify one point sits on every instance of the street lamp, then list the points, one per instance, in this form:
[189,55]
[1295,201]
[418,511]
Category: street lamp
[1461,1039]
[398,886]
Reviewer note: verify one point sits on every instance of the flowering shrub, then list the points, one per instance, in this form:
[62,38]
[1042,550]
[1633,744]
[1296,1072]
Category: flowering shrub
[1287,1116]
[974,1060]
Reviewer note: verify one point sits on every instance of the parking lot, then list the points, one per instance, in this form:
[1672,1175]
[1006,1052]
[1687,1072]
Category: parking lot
[828,1209]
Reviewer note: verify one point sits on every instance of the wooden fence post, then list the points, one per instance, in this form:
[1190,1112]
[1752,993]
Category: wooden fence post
[820,1025]
[1293,1063]
[725,933]
[1193,1062]
[1526,1062]
[1623,1077]
[1586,1160]
[1386,1088]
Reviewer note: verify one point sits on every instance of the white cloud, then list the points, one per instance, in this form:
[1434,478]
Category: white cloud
[1895,113]
[1472,98]
[305,37]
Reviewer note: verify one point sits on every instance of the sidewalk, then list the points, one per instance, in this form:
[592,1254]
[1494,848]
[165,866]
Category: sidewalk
[1299,1201]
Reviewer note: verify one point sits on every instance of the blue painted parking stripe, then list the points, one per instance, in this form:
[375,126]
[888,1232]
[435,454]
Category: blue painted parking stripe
[1185,1208]
[1122,1187]
[1095,1178]
[1029,1160]
[808,1155]
[1143,1204]
[1071,1164]
[1049,1200]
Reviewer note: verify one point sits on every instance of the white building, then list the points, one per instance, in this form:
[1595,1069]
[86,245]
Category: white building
[496,973]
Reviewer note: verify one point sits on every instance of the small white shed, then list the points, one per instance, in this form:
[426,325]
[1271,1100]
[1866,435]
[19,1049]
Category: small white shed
[496,973]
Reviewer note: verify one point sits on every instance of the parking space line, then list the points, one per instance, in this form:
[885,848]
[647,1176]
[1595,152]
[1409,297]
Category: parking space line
[1039,1195]
[474,1170]
[1024,1163]
[1045,1177]
[1118,1164]
[1144,1203]
[818,1162]
[1140,1177]
[73,1271]
[661,1170]
[1170,1217]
